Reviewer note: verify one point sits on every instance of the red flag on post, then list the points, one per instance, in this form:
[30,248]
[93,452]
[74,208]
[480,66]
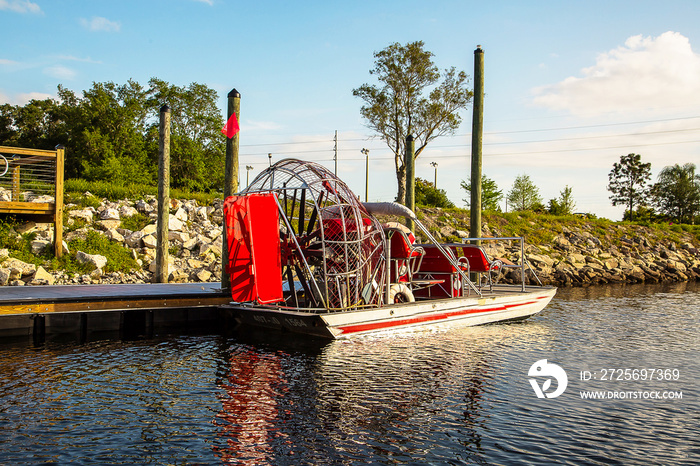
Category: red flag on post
[231,127]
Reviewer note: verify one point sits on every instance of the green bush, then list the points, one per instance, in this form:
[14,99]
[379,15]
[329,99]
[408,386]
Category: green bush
[135,222]
[119,258]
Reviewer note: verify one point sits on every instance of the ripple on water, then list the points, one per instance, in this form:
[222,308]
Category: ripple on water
[447,396]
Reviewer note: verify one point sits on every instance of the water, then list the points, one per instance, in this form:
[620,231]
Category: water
[459,396]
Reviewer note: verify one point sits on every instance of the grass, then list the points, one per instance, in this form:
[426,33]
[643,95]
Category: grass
[119,258]
[103,189]
[135,222]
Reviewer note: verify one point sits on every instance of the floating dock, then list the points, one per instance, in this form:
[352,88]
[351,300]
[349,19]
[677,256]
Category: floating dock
[130,309]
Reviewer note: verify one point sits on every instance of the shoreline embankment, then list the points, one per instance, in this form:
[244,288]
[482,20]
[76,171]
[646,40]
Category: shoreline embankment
[564,252]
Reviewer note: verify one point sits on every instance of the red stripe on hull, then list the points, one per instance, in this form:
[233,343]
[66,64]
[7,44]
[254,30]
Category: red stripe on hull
[424,319]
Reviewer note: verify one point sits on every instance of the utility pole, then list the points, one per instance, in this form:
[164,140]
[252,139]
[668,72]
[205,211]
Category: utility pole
[366,152]
[477,134]
[434,164]
[248,168]
[335,152]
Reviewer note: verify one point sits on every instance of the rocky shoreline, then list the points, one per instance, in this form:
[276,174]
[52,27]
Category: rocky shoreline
[575,257]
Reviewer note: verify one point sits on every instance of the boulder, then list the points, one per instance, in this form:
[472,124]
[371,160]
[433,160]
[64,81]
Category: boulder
[39,245]
[22,268]
[85,214]
[202,275]
[110,214]
[149,241]
[4,276]
[149,229]
[134,240]
[127,211]
[114,235]
[178,236]
[95,260]
[41,277]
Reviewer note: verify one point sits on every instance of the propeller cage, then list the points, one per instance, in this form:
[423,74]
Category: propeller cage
[332,251]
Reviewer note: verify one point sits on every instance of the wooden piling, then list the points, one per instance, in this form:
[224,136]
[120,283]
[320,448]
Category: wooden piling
[231,177]
[162,245]
[410,177]
[477,134]
[58,202]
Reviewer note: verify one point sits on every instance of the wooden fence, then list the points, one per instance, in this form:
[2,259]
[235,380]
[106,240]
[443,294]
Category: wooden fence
[31,186]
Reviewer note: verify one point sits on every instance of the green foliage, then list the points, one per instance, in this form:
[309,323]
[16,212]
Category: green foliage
[19,246]
[119,258]
[564,204]
[398,106]
[111,132]
[135,222]
[428,196]
[490,194]
[629,181]
[677,192]
[524,195]
[104,189]
[8,236]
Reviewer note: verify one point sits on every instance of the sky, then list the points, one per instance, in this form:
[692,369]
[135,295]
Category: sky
[570,86]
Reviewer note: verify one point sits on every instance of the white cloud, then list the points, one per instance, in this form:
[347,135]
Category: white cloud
[24,98]
[100,24]
[78,59]
[59,72]
[4,61]
[20,6]
[646,73]
[208,2]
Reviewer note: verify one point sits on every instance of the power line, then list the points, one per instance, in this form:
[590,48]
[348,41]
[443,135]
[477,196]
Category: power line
[329,141]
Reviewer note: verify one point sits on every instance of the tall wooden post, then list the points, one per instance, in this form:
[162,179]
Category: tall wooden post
[58,199]
[231,178]
[163,197]
[477,134]
[410,177]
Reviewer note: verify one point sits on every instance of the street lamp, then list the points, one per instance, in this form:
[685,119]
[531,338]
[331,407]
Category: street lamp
[434,164]
[366,152]
[248,168]
[269,157]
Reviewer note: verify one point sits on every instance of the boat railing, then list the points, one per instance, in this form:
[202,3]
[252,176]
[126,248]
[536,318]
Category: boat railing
[523,257]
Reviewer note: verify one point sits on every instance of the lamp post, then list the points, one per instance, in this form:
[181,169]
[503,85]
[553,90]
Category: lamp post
[366,152]
[434,164]
[269,157]
[248,168]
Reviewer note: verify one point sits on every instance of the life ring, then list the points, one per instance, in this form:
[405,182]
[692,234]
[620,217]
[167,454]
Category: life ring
[400,293]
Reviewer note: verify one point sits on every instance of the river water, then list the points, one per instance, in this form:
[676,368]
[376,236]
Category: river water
[448,396]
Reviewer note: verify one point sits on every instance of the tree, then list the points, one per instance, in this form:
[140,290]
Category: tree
[427,195]
[490,194]
[564,204]
[677,192]
[398,107]
[524,195]
[629,182]
[197,147]
[108,135]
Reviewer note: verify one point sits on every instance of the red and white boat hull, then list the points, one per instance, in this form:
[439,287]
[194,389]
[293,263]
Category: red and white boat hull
[508,303]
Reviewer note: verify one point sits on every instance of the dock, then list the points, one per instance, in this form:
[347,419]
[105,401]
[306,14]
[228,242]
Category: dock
[130,309]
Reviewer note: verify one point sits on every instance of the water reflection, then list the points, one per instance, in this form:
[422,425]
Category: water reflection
[433,396]
[352,399]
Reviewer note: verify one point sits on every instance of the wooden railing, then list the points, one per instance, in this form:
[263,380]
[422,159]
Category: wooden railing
[31,186]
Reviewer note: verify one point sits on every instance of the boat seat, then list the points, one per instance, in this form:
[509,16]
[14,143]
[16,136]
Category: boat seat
[406,257]
[481,264]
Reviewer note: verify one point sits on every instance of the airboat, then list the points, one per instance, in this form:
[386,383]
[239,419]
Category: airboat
[305,255]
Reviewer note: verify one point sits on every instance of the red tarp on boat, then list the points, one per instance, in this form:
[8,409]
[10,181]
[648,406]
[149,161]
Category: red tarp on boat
[254,262]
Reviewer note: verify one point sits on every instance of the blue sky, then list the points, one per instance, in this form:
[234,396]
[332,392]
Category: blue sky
[570,86]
